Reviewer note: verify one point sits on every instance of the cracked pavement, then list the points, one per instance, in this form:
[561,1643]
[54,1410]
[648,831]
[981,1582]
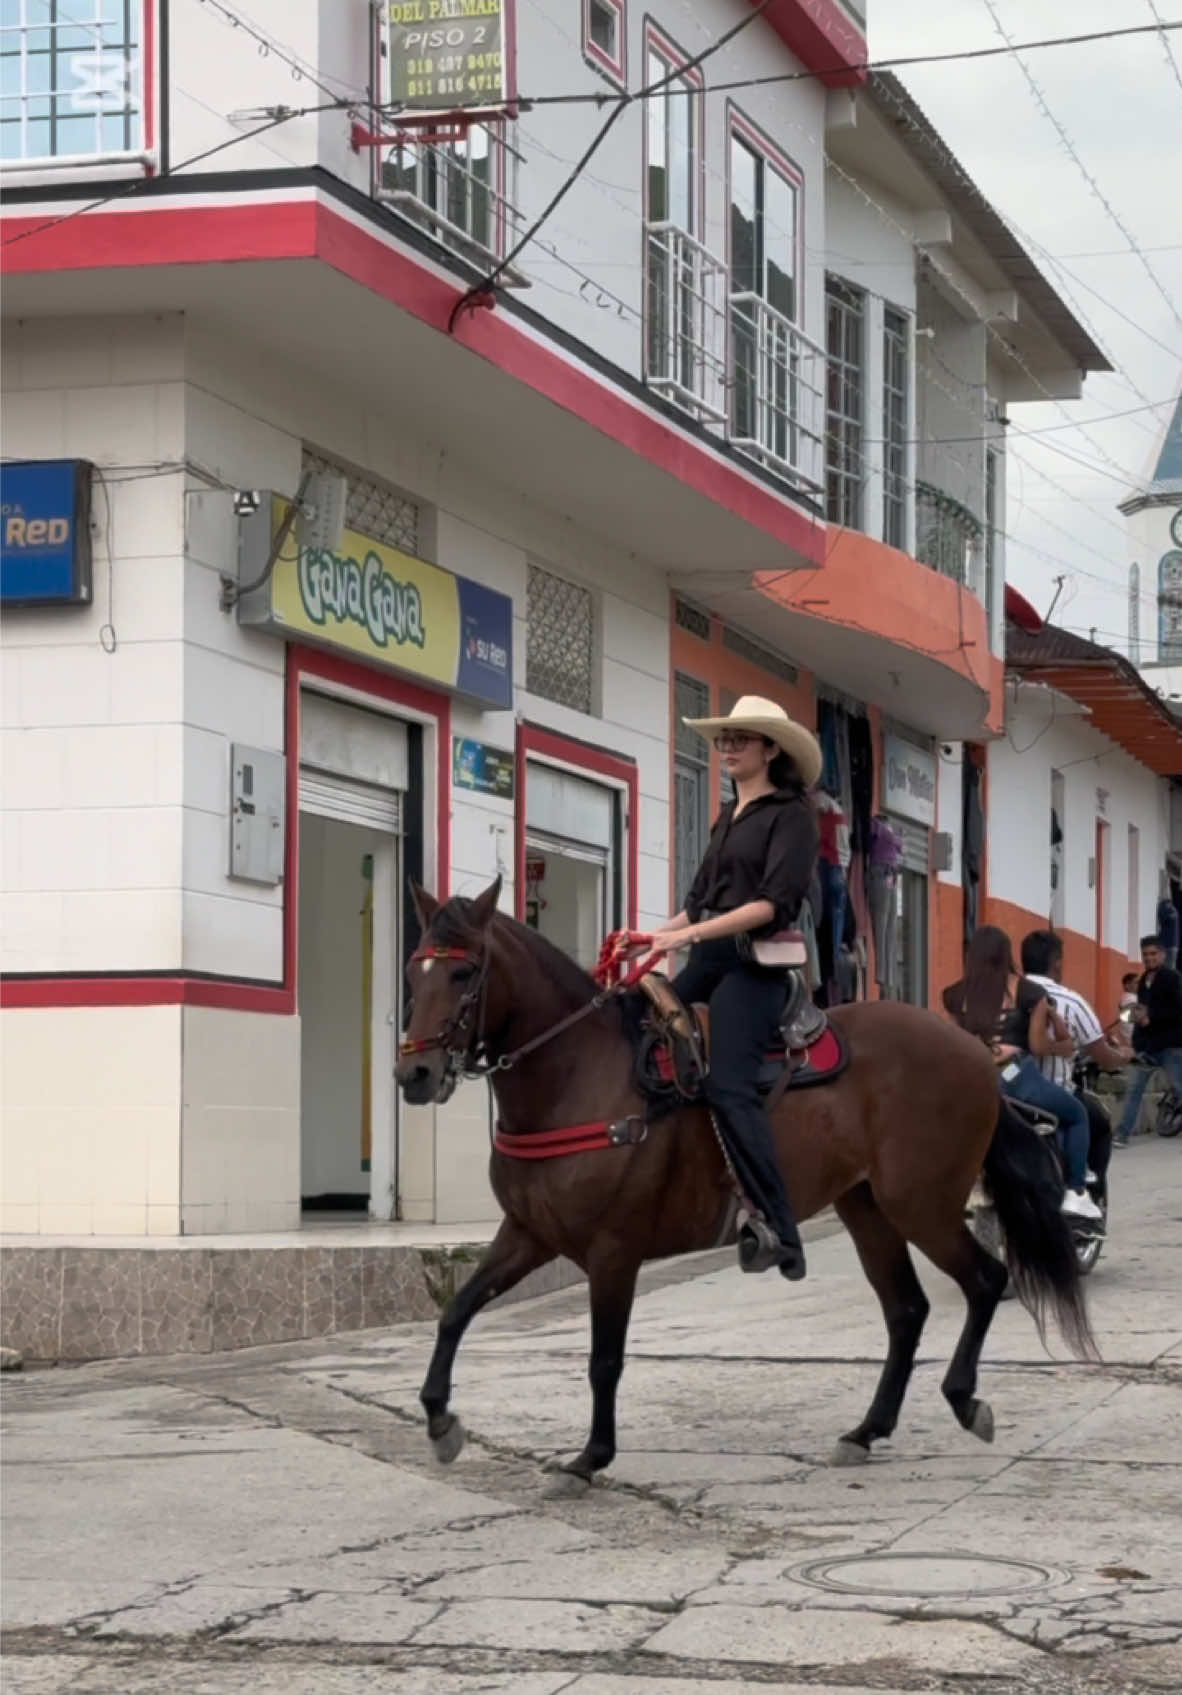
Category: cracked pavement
[272,1519]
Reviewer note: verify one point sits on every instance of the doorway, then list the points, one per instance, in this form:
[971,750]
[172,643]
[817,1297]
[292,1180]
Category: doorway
[354,772]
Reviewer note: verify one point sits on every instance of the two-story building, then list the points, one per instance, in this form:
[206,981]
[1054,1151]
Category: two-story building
[732,420]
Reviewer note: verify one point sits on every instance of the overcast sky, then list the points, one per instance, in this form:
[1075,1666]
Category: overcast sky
[1120,103]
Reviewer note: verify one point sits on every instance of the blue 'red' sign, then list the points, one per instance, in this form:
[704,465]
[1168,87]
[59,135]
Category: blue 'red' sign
[45,532]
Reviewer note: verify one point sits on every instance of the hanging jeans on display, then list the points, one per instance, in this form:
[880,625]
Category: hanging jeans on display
[884,918]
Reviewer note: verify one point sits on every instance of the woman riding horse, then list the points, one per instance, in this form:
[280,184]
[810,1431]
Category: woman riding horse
[757,869]
[893,1144]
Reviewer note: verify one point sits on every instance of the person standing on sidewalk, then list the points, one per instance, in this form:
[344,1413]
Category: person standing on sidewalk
[1157,1032]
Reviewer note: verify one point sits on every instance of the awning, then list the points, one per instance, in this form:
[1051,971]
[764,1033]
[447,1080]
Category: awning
[1119,702]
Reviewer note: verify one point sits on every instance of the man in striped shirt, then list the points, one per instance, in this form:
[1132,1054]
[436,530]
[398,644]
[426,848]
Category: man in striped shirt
[1042,961]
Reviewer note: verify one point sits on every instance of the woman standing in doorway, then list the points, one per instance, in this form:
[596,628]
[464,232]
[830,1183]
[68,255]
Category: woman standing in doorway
[750,885]
[1012,1015]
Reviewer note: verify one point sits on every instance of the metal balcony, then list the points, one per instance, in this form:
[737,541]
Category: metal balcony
[462,189]
[777,411]
[685,322]
[949,538]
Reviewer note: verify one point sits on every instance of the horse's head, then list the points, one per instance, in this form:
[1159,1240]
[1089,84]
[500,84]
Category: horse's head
[448,977]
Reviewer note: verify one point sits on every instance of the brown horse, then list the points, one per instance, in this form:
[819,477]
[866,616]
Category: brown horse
[894,1144]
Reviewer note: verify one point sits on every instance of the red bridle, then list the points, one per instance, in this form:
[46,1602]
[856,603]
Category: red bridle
[458,1021]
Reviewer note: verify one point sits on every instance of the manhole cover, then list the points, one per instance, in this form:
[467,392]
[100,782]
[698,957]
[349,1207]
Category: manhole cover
[950,1576]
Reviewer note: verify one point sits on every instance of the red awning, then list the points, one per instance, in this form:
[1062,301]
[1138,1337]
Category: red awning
[1019,611]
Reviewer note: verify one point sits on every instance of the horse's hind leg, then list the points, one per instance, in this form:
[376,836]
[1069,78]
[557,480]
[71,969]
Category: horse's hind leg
[613,1289]
[511,1254]
[982,1280]
[887,1264]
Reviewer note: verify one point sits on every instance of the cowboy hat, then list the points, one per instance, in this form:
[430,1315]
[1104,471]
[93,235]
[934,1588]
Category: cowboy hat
[760,717]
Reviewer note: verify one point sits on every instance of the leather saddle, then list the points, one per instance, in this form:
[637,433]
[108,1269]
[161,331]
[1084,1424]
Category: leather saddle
[674,1055]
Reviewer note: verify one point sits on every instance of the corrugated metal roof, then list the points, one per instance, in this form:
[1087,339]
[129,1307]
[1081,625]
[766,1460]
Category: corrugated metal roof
[924,140]
[1120,702]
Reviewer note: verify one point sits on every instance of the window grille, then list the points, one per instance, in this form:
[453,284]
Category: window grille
[690,618]
[844,313]
[894,428]
[373,509]
[71,80]
[691,783]
[560,641]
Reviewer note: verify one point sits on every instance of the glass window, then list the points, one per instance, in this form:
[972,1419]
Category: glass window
[691,783]
[71,85]
[844,405]
[894,428]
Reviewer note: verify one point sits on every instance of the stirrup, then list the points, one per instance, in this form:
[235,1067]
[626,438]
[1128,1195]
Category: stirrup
[759,1246]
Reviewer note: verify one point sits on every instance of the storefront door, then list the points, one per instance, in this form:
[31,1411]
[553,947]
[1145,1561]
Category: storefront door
[352,797]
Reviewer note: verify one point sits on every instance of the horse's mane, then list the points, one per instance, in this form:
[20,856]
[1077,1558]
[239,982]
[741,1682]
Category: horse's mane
[453,926]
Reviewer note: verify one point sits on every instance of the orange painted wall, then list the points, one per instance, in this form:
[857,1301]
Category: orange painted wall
[1095,972]
[870,586]
[947,952]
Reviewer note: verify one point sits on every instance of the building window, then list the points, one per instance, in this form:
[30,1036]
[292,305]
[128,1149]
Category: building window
[71,86]
[560,641]
[895,386]
[462,190]
[685,317]
[1169,607]
[776,376]
[843,415]
[1135,613]
[372,509]
[605,37]
[691,784]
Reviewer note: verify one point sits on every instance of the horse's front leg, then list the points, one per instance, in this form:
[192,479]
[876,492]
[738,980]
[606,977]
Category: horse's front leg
[512,1254]
[612,1277]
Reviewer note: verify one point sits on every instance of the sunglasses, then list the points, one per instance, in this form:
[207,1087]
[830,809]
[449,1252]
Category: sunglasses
[734,741]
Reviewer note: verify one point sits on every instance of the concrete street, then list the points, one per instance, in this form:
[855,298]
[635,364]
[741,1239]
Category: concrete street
[272,1519]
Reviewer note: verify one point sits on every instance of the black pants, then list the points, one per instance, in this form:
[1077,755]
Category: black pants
[746,1005]
[1099,1140]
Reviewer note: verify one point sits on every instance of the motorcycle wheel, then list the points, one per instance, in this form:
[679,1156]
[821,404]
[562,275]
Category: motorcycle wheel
[1090,1238]
[1169,1115]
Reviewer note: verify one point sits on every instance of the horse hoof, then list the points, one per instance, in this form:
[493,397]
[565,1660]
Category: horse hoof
[448,1443]
[567,1485]
[981,1423]
[849,1453]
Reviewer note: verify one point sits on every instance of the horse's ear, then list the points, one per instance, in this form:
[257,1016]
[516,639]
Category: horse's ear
[425,905]
[485,904]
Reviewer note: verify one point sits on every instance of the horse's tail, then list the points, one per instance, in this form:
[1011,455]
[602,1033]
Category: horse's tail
[1023,1181]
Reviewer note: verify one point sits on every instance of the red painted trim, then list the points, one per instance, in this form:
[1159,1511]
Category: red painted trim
[617,71]
[305,229]
[823,37]
[597,762]
[31,992]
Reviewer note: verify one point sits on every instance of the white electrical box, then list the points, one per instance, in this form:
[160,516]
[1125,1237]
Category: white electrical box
[258,816]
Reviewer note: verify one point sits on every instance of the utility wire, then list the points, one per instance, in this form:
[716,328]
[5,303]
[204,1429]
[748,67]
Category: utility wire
[1073,154]
[679,73]
[1165,41]
[127,190]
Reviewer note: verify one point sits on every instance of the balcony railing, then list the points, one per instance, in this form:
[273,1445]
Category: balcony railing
[948,537]
[685,322]
[462,190]
[777,411]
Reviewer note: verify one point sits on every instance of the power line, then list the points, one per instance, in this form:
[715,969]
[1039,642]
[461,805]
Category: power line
[271,48]
[605,97]
[679,73]
[1072,152]
[1102,298]
[127,190]
[1165,42]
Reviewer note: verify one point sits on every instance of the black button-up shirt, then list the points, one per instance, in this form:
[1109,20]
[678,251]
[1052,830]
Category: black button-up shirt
[767,853]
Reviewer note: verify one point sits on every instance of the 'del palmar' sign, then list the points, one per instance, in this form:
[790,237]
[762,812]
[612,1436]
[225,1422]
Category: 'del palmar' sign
[446,54]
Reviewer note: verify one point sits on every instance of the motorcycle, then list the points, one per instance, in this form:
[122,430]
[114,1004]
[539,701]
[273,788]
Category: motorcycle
[1089,1234]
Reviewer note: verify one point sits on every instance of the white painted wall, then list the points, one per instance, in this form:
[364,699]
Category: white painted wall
[1053,735]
